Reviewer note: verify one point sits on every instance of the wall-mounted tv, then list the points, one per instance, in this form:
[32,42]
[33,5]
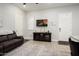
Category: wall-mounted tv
[42,22]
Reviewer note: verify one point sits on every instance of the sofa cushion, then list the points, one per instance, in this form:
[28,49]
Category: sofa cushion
[3,38]
[11,42]
[12,36]
[1,49]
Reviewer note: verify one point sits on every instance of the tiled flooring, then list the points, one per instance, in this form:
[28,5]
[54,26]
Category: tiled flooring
[39,48]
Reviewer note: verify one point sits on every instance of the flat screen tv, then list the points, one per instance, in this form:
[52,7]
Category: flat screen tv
[42,22]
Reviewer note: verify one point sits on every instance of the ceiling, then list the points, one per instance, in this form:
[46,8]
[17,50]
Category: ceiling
[41,6]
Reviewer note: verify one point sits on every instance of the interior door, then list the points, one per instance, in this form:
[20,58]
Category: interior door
[65,26]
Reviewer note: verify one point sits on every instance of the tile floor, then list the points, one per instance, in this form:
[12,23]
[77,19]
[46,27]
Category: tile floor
[39,48]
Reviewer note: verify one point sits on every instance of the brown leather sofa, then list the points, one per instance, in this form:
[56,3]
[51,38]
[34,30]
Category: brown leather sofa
[9,42]
[74,47]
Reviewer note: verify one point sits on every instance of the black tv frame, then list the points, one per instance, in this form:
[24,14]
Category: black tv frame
[42,24]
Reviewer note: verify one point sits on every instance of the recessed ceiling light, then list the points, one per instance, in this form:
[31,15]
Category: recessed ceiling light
[24,4]
[36,3]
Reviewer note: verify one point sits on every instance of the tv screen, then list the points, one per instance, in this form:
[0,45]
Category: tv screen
[42,22]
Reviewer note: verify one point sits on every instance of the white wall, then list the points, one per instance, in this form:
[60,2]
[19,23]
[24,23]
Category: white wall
[52,16]
[12,18]
[75,22]
[19,18]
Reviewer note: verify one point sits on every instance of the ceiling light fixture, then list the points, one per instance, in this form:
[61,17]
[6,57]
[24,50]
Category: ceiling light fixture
[24,4]
[36,3]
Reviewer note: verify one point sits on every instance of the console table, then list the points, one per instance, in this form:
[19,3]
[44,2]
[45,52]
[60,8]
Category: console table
[42,36]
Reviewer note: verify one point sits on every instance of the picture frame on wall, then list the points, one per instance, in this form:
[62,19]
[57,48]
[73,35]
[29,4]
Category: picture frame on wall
[42,22]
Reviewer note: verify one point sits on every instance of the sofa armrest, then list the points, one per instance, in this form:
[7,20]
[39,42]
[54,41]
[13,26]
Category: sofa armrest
[20,37]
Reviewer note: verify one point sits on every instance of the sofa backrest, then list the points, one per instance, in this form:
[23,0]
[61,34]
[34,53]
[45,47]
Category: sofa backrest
[3,38]
[7,37]
[12,36]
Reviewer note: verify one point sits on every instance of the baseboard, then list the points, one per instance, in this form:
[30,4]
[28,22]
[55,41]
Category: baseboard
[63,42]
[54,40]
[28,38]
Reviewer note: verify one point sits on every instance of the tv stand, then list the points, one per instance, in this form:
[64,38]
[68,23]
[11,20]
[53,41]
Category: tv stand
[42,36]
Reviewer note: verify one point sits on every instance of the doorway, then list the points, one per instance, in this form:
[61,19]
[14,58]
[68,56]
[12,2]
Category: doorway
[65,26]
